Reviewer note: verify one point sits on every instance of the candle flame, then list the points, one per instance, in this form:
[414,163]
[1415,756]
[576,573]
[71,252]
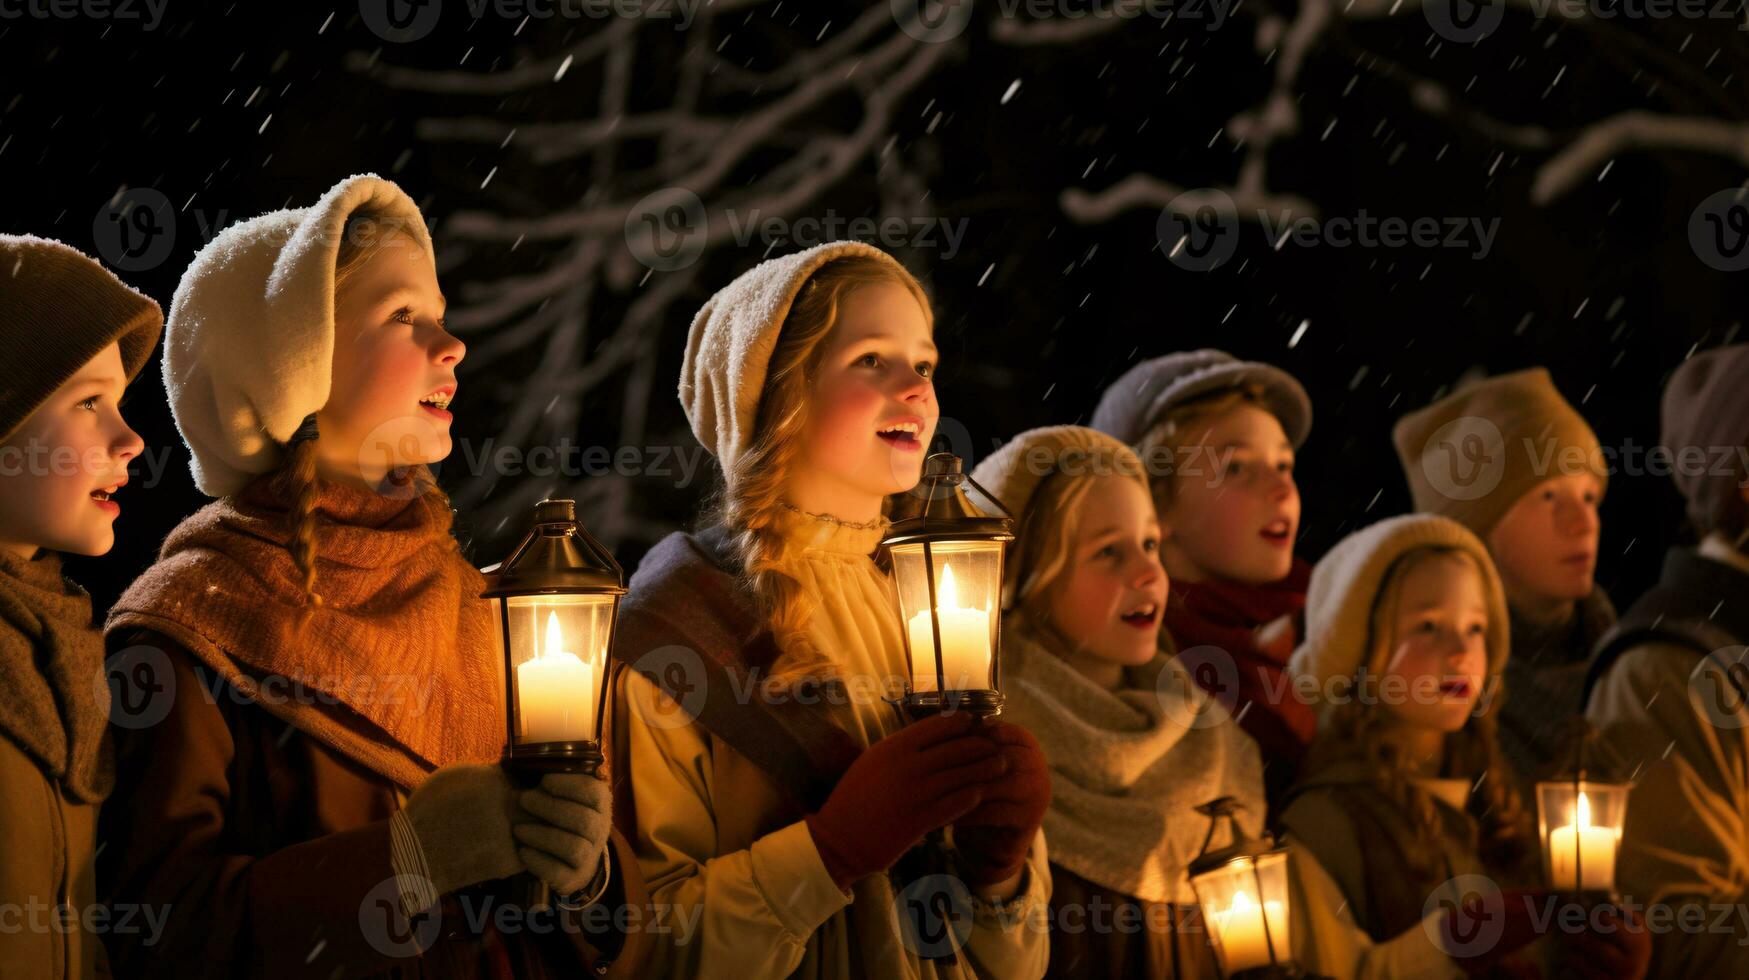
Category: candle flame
[1582,813]
[555,637]
[946,595]
[1242,901]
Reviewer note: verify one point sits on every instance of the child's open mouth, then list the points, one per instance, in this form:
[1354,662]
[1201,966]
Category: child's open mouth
[437,403]
[1456,689]
[1277,532]
[1142,617]
[102,494]
[902,435]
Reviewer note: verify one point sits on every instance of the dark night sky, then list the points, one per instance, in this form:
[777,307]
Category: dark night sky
[227,113]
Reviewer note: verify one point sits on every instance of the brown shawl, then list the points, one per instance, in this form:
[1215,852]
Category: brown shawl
[397,670]
[56,705]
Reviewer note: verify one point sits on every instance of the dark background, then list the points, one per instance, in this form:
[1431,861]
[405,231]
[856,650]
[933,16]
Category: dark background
[793,109]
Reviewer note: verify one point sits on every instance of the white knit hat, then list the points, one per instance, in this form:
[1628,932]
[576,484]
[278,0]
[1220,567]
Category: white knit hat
[1345,586]
[249,345]
[1136,402]
[731,340]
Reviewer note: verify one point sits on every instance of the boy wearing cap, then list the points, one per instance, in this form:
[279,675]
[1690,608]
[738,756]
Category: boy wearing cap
[1667,688]
[1217,437]
[72,337]
[1510,459]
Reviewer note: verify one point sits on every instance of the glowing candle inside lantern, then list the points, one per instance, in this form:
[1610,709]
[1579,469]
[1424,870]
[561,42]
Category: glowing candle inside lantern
[965,642]
[556,692]
[1582,856]
[1244,944]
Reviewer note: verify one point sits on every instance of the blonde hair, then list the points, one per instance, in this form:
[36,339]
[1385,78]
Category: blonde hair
[297,480]
[1356,729]
[750,498]
[1171,432]
[1044,535]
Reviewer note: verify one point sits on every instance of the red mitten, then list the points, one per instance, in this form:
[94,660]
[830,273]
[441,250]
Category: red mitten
[992,840]
[914,781]
[1615,945]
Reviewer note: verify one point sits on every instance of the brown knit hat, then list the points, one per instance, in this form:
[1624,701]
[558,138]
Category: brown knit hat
[58,309]
[1471,455]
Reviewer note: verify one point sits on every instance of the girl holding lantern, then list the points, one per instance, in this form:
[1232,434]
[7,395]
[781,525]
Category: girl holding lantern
[1218,437]
[1134,745]
[1405,790]
[771,787]
[314,788]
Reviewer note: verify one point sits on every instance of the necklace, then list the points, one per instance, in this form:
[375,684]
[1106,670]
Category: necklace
[829,519]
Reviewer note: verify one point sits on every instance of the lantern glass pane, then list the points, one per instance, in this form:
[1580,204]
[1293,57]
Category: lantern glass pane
[1245,903]
[968,588]
[558,656]
[1581,824]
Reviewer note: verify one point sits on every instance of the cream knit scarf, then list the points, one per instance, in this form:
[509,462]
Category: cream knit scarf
[1128,767]
[55,703]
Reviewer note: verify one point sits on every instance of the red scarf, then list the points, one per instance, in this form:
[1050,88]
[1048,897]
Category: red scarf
[1258,626]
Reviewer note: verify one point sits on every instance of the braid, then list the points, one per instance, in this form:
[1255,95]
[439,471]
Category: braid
[298,482]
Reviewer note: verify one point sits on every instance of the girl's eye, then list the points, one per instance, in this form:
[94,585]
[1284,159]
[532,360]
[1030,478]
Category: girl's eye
[1109,551]
[1477,629]
[926,369]
[1151,545]
[1285,466]
[403,315]
[1427,626]
[89,404]
[869,360]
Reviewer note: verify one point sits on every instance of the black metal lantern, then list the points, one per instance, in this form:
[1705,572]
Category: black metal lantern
[556,599]
[1581,813]
[947,561]
[1243,892]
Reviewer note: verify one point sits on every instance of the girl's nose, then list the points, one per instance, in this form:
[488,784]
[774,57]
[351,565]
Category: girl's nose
[449,350]
[128,444]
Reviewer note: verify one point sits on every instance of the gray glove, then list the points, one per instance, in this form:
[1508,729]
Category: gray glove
[461,815]
[564,827]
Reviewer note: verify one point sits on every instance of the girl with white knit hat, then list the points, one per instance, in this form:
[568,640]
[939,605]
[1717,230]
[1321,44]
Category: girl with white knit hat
[1133,744]
[771,788]
[319,794]
[1405,795]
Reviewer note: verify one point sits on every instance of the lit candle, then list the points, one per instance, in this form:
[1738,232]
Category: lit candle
[556,692]
[965,642]
[1240,928]
[1582,856]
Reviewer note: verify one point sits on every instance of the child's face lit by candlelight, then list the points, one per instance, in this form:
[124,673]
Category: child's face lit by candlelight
[1234,517]
[1439,644]
[1112,592]
[392,355]
[59,464]
[873,410]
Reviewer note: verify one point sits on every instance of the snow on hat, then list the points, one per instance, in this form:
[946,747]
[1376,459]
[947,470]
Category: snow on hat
[1345,586]
[1014,473]
[58,309]
[729,346]
[1706,405]
[1471,455]
[249,348]
[1138,400]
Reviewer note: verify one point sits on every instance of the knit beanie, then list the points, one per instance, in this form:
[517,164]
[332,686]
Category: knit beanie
[1471,455]
[1706,411]
[1345,586]
[728,349]
[1138,400]
[58,309]
[1014,473]
[249,348]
